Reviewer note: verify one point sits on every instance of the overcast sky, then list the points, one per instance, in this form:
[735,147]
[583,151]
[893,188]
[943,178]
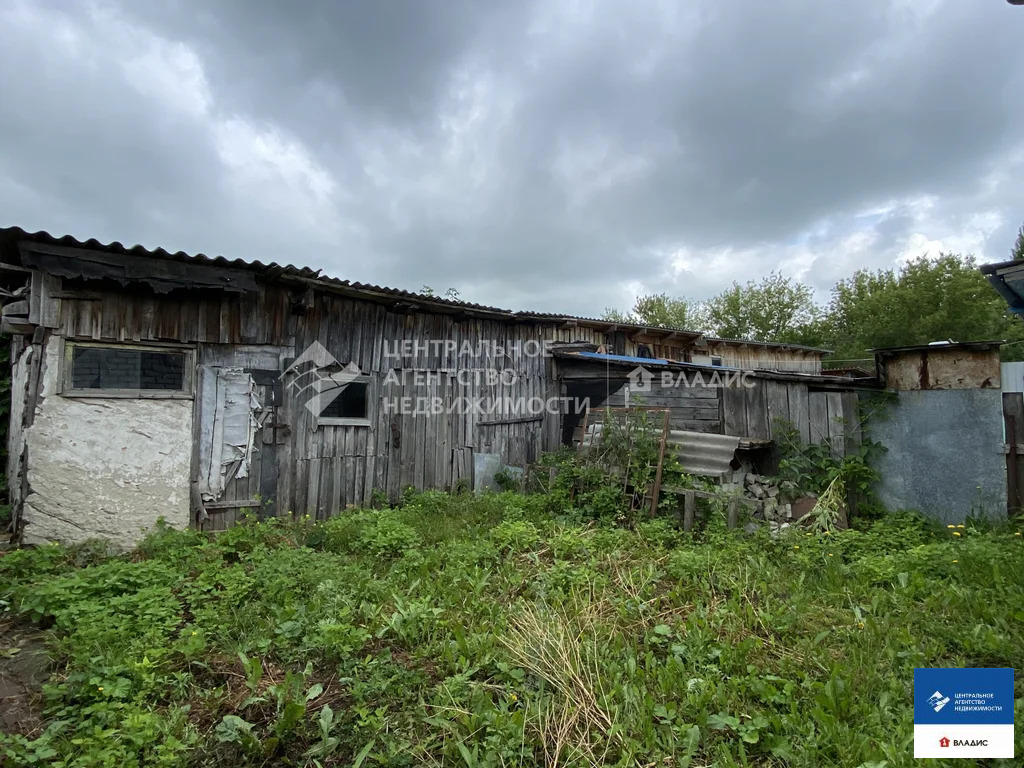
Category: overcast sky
[554,155]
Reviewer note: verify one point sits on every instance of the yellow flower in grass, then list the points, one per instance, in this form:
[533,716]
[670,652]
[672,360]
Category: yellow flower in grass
[1017,533]
[796,546]
[957,533]
[956,561]
[960,526]
[951,526]
[830,554]
[860,624]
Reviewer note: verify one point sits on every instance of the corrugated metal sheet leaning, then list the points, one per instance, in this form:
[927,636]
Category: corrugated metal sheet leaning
[699,453]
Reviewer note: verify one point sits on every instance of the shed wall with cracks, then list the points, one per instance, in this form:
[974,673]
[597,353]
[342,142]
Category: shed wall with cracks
[103,467]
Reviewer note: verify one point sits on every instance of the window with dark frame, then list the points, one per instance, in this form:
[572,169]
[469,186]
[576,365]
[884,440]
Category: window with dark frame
[351,403]
[127,369]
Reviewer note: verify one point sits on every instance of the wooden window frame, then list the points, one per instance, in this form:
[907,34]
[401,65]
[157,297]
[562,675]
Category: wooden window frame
[188,385]
[351,421]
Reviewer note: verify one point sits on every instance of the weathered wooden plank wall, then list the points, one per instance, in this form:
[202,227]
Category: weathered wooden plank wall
[693,408]
[752,357]
[109,315]
[321,468]
[432,405]
[760,411]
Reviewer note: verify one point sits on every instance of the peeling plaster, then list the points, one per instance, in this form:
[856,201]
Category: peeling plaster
[100,467]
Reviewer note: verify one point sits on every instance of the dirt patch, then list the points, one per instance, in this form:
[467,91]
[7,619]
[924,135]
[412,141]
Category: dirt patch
[24,667]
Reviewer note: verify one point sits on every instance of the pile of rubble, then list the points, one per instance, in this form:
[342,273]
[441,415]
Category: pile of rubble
[781,502]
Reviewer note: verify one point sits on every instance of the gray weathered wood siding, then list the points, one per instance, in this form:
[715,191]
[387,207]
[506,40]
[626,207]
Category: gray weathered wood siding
[322,468]
[695,409]
[318,468]
[760,411]
[338,465]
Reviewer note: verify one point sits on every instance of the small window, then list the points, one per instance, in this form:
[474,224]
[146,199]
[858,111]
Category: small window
[126,371]
[715,360]
[350,407]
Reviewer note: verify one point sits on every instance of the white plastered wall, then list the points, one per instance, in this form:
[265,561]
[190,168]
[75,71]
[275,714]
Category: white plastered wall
[104,467]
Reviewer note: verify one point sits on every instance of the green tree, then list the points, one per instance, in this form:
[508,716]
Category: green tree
[775,309]
[659,310]
[926,300]
[1017,254]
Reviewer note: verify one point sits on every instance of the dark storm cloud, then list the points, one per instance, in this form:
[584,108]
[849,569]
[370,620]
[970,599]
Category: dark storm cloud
[554,155]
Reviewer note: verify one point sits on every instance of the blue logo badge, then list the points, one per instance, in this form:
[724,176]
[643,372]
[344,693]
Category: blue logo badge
[963,696]
[963,712]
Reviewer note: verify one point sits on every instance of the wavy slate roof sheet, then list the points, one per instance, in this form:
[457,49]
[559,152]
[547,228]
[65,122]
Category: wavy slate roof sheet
[10,236]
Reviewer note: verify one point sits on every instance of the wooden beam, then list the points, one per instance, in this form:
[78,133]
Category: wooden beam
[253,503]
[500,422]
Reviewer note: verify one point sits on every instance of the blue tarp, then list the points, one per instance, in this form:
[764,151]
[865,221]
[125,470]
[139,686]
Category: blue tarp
[650,361]
[623,358]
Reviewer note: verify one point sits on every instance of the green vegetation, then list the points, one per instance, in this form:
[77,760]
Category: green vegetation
[1017,252]
[925,300]
[498,631]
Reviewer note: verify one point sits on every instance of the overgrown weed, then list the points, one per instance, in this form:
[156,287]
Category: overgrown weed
[493,631]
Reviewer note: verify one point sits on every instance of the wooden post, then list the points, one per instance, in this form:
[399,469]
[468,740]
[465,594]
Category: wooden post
[689,509]
[734,511]
[656,491]
[583,434]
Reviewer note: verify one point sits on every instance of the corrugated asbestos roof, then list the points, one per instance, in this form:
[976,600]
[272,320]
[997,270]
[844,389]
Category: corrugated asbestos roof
[10,236]
[702,453]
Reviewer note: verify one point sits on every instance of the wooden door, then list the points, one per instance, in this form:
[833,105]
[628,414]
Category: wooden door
[242,438]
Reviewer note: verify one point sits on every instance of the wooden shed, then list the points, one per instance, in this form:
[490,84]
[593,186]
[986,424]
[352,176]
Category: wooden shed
[152,385]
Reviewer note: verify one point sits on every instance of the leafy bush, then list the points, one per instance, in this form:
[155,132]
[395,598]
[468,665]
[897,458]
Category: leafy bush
[515,535]
[386,536]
